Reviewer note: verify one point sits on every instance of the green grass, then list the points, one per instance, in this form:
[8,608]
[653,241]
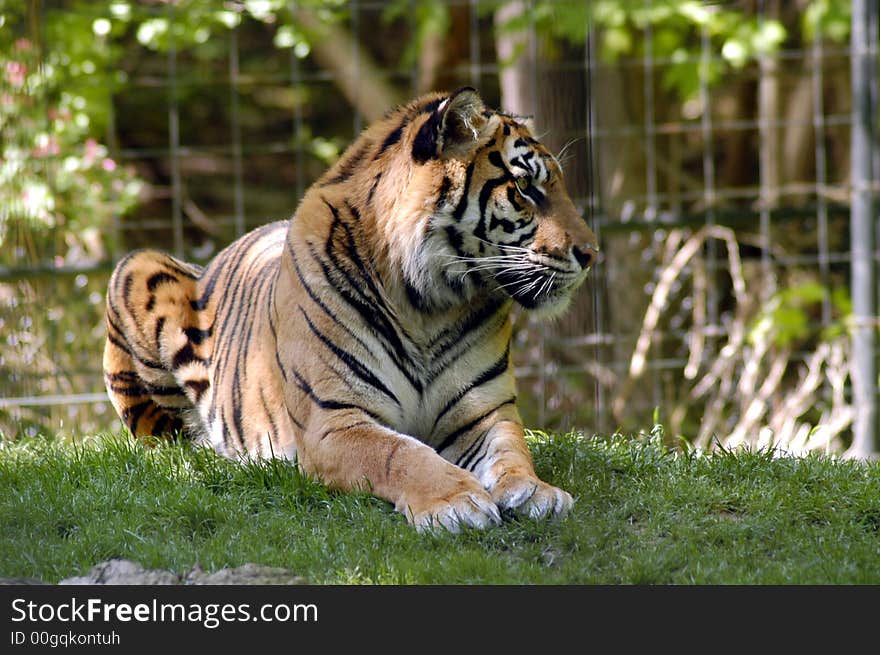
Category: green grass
[642,515]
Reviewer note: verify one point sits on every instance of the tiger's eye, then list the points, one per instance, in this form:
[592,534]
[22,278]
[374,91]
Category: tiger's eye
[524,183]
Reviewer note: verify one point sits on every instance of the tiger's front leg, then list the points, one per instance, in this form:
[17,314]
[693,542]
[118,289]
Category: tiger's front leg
[507,472]
[362,455]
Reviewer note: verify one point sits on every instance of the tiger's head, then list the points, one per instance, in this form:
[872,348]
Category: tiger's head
[493,213]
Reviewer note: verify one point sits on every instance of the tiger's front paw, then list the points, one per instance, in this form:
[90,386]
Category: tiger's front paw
[471,508]
[529,496]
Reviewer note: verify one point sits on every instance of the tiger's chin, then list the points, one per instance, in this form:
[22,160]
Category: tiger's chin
[546,303]
[548,306]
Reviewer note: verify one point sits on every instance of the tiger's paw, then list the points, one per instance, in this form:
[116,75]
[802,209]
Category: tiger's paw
[473,509]
[531,497]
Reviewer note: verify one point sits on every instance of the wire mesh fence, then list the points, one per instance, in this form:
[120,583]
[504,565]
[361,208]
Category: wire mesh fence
[713,161]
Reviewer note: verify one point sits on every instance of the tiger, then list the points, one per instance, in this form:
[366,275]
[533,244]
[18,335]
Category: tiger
[368,337]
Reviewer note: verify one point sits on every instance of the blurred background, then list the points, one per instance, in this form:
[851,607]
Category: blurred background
[725,153]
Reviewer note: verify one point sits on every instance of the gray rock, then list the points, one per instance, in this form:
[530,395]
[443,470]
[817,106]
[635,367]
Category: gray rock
[248,574]
[123,571]
[126,572]
[17,581]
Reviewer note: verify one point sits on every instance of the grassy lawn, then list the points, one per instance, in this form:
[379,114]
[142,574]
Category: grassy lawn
[642,515]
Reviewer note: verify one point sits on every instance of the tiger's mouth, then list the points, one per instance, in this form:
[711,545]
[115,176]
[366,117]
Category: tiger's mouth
[545,290]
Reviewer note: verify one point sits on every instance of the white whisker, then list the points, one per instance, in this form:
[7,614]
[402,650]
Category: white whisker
[560,157]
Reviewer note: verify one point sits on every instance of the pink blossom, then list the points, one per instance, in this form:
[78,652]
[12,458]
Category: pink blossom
[91,152]
[108,165]
[22,45]
[15,72]
[50,147]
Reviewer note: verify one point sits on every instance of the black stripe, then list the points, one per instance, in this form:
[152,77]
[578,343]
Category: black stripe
[126,347]
[273,434]
[236,305]
[218,266]
[184,356]
[140,388]
[197,335]
[320,303]
[349,360]
[446,351]
[132,415]
[432,105]
[159,426]
[237,407]
[293,419]
[485,194]
[191,271]
[329,404]
[457,333]
[456,240]
[355,213]
[127,283]
[455,282]
[273,313]
[525,236]
[356,424]
[164,391]
[507,226]
[464,460]
[123,376]
[513,198]
[159,278]
[373,186]
[497,160]
[157,333]
[122,346]
[346,167]
[424,147]
[416,298]
[390,140]
[445,185]
[198,386]
[128,392]
[353,255]
[463,202]
[499,367]
[453,437]
[533,193]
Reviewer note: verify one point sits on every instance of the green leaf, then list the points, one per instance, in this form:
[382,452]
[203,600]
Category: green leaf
[768,36]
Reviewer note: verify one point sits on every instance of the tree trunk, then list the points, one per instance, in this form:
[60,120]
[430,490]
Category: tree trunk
[354,70]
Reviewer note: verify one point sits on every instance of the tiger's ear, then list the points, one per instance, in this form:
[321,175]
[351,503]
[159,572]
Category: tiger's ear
[454,128]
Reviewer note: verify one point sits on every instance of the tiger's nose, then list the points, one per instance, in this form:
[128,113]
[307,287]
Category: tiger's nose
[585,255]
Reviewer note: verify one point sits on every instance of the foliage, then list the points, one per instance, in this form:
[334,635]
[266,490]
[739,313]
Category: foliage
[431,19]
[643,514]
[56,105]
[676,30]
[827,18]
[774,380]
[792,313]
[55,176]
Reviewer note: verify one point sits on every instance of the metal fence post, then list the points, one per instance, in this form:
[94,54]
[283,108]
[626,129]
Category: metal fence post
[866,437]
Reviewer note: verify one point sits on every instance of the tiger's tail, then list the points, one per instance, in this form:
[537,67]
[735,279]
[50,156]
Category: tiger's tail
[151,326]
